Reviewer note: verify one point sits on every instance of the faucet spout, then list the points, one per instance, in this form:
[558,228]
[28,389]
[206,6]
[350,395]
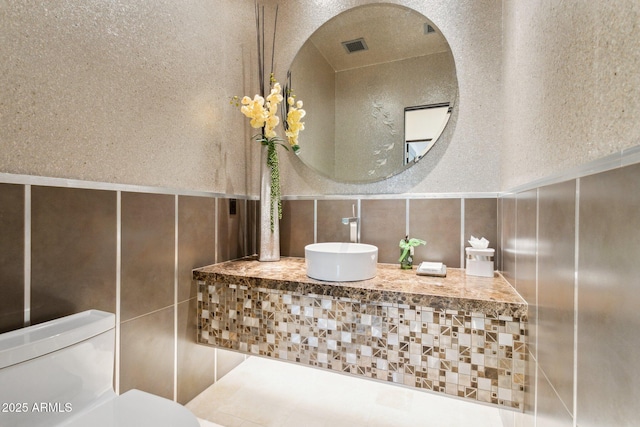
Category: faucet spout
[353,223]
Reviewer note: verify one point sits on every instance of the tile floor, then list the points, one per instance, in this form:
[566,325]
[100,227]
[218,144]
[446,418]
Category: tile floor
[264,392]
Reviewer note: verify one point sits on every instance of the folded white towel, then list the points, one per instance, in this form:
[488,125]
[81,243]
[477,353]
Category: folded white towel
[431,269]
[430,266]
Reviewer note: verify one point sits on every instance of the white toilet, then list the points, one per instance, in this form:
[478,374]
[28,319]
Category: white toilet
[60,373]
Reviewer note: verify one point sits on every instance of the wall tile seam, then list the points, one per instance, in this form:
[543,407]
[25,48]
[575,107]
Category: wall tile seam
[573,411]
[546,378]
[172,305]
[117,358]
[41,181]
[176,285]
[398,196]
[620,159]
[576,260]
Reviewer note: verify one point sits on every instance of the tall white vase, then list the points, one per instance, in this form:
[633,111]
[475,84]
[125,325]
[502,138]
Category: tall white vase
[269,240]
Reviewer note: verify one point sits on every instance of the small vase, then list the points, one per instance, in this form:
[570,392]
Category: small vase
[269,240]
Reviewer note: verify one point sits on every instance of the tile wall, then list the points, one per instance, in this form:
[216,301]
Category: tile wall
[570,249]
[445,223]
[73,262]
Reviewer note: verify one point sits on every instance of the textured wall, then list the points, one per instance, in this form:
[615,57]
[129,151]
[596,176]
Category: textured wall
[126,92]
[473,30]
[571,85]
[135,93]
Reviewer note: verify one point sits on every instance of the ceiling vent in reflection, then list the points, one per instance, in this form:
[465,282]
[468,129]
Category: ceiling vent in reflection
[428,29]
[356,45]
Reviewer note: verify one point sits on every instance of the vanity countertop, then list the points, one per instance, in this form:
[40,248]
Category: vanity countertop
[457,291]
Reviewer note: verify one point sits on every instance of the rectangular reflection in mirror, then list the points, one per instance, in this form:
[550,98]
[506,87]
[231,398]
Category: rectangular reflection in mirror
[423,125]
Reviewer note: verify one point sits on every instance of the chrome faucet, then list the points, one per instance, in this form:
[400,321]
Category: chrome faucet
[353,222]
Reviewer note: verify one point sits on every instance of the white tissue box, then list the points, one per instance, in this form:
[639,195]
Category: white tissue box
[480,262]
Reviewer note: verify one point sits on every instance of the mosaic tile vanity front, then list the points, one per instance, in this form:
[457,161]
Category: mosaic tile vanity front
[459,335]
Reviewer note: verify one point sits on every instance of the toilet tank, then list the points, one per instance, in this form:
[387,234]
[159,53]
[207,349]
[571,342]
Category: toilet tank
[54,370]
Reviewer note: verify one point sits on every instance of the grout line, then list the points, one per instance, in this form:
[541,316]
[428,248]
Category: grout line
[395,196]
[543,376]
[359,215]
[315,221]
[245,232]
[216,230]
[499,222]
[535,394]
[462,233]
[118,286]
[515,244]
[215,365]
[175,302]
[407,217]
[27,255]
[536,274]
[45,181]
[575,303]
[149,313]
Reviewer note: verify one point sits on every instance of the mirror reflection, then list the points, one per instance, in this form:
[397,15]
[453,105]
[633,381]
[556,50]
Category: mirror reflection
[366,77]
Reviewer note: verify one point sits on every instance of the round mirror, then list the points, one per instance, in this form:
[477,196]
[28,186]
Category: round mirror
[378,84]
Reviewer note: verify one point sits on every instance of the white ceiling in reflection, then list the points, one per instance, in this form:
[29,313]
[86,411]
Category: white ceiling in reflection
[396,34]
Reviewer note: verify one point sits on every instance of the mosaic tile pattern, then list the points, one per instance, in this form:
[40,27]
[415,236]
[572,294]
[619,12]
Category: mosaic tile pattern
[457,352]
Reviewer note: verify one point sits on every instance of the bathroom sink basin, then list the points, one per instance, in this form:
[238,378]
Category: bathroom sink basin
[341,262]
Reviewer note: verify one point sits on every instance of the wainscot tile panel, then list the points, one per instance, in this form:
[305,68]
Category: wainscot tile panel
[556,264]
[438,222]
[296,227]
[226,361]
[148,253]
[11,257]
[330,214]
[233,240]
[384,224]
[146,353]
[509,204]
[196,239]
[253,218]
[74,268]
[550,411]
[480,220]
[608,299]
[527,418]
[73,251]
[525,280]
[196,363]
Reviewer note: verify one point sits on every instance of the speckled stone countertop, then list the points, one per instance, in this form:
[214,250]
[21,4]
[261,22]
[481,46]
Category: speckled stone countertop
[458,291]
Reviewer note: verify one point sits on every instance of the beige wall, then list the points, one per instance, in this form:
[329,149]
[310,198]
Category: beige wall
[571,85]
[136,93]
[127,92]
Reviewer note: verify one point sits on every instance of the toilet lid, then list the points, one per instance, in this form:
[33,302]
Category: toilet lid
[136,408]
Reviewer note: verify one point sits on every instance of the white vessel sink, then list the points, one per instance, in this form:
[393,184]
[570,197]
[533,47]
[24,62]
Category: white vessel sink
[341,262]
